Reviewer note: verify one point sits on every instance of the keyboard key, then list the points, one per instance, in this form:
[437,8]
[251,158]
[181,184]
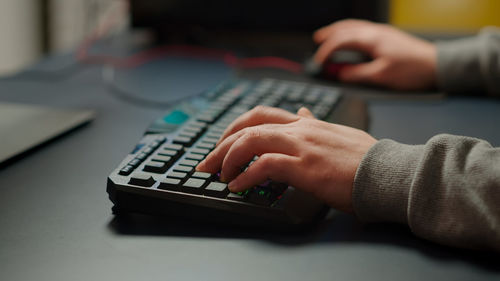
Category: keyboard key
[177,175]
[217,127]
[195,130]
[217,130]
[197,124]
[206,145]
[202,151]
[184,169]
[182,140]
[170,153]
[260,196]
[156,143]
[141,179]
[201,175]
[191,163]
[193,186]
[213,135]
[294,96]
[162,158]
[125,171]
[172,146]
[320,111]
[248,101]
[311,98]
[330,99]
[216,189]
[193,156]
[217,108]
[207,118]
[134,162]
[210,140]
[239,196]
[239,109]
[269,102]
[187,134]
[226,120]
[142,156]
[169,184]
[155,167]
[314,91]
[288,106]
[148,150]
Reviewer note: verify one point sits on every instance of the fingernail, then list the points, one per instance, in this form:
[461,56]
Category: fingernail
[200,165]
[222,177]
[231,185]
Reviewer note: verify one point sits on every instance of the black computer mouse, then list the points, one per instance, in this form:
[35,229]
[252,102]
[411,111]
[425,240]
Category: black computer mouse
[337,60]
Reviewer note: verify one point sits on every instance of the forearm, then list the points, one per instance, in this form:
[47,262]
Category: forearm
[447,190]
[470,64]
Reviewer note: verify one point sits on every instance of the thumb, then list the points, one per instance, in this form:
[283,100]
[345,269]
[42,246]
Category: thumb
[362,73]
[304,112]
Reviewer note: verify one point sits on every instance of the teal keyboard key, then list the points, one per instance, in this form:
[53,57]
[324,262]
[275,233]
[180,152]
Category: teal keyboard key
[176,117]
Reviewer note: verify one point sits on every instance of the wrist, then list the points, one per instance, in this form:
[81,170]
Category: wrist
[383,180]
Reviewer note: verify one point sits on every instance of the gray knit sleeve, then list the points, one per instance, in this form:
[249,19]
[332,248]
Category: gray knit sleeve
[470,64]
[447,190]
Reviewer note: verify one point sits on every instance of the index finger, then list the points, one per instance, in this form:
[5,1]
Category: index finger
[257,116]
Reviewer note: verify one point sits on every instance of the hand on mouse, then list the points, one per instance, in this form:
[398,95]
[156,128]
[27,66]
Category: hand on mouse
[400,61]
[297,149]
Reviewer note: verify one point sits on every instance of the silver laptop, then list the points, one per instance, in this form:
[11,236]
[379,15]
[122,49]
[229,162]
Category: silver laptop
[24,127]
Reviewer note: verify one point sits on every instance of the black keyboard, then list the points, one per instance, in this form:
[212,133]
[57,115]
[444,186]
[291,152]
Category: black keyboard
[159,177]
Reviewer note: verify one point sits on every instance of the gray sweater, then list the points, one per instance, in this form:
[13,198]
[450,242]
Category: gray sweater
[447,190]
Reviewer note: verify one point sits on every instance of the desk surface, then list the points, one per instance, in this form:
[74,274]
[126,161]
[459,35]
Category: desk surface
[56,222]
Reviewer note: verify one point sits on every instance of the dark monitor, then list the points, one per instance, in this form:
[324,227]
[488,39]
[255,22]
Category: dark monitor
[261,15]
[250,27]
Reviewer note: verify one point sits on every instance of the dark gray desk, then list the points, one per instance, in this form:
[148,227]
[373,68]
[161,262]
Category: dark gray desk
[56,222]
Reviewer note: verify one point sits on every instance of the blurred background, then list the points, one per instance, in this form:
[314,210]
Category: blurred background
[31,29]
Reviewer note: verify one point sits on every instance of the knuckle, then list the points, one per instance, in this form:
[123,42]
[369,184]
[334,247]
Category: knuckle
[263,111]
[251,134]
[229,169]
[259,110]
[308,160]
[258,169]
[266,162]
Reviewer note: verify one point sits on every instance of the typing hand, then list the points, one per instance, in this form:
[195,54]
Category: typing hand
[309,154]
[400,61]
